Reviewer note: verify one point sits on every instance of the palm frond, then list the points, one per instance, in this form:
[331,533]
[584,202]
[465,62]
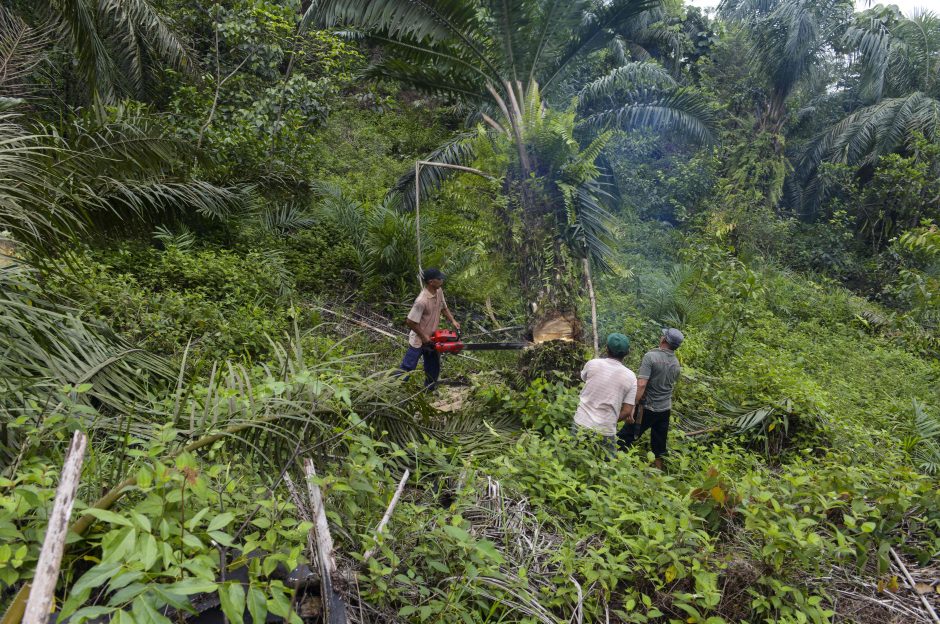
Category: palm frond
[550,31]
[627,78]
[681,110]
[592,34]
[510,23]
[449,83]
[77,23]
[47,346]
[183,238]
[22,48]
[30,208]
[591,226]
[436,20]
[457,151]
[150,200]
[875,130]
[282,219]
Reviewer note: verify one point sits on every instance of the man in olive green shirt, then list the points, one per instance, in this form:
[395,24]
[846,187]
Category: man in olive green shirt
[656,379]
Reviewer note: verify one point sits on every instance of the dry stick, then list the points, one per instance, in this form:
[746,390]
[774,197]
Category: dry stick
[356,322]
[47,568]
[910,581]
[388,514]
[590,285]
[692,434]
[324,550]
[301,509]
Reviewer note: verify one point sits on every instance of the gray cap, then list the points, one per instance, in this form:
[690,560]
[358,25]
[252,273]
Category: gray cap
[673,337]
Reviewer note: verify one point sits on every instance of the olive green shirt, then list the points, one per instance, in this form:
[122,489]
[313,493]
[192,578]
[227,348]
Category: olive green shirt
[661,368]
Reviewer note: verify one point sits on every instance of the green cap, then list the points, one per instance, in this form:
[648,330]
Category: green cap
[618,345]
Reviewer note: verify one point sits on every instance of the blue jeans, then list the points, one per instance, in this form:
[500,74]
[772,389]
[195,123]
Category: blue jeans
[432,364]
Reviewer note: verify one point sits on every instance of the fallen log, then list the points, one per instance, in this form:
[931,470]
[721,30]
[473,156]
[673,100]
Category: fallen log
[333,604]
[42,594]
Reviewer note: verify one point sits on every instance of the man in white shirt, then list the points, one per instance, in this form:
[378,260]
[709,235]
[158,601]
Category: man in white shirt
[423,320]
[609,393]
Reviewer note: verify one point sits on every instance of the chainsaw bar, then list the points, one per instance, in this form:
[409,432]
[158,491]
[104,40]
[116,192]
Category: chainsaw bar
[495,346]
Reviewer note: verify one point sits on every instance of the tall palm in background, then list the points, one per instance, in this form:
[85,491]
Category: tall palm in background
[899,66]
[789,41]
[507,62]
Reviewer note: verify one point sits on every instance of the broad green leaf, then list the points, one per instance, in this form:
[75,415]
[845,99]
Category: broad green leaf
[194,521]
[143,522]
[232,596]
[107,516]
[123,579]
[279,605]
[144,613]
[192,585]
[89,613]
[257,604]
[117,545]
[457,533]
[127,594]
[122,617]
[149,553]
[222,538]
[95,577]
[220,521]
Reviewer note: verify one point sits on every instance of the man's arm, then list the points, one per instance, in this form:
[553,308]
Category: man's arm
[413,326]
[450,317]
[626,413]
[640,389]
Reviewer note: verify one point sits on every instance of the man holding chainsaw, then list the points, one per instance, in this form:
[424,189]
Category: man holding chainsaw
[423,320]
[609,394]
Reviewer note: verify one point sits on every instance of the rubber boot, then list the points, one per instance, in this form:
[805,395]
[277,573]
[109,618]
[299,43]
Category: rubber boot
[658,463]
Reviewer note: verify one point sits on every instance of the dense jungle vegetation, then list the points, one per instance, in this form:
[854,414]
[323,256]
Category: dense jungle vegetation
[209,234]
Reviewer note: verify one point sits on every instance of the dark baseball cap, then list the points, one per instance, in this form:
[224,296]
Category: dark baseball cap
[673,337]
[618,345]
[430,274]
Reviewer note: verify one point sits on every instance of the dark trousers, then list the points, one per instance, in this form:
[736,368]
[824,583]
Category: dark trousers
[656,422]
[432,364]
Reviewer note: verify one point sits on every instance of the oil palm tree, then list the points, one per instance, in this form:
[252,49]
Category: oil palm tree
[788,42]
[508,63]
[115,43]
[94,174]
[899,61]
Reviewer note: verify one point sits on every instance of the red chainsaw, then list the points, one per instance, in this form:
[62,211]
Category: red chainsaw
[448,341]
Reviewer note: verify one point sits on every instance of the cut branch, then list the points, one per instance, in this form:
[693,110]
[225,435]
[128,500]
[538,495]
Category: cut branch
[388,514]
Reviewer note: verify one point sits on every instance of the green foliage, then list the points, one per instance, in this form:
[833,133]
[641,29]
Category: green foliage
[224,304]
[268,85]
[156,316]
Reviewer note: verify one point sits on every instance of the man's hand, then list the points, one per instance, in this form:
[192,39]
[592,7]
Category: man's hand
[456,325]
